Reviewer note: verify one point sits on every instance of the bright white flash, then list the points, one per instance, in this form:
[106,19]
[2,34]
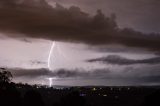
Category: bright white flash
[50,82]
[50,53]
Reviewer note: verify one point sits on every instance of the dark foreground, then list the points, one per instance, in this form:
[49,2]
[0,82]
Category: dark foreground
[25,95]
[12,94]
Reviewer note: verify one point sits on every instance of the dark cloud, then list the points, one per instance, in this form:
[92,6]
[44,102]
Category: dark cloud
[115,59]
[145,75]
[35,62]
[61,73]
[25,40]
[139,14]
[151,79]
[37,19]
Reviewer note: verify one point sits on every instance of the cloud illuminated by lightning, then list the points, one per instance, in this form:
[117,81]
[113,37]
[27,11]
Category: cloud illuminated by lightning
[50,53]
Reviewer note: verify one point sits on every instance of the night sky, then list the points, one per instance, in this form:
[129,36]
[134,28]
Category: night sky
[96,42]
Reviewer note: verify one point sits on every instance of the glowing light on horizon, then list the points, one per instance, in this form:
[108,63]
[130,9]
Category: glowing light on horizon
[50,82]
[50,53]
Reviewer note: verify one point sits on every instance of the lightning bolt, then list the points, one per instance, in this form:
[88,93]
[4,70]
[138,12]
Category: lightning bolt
[50,82]
[50,53]
[49,61]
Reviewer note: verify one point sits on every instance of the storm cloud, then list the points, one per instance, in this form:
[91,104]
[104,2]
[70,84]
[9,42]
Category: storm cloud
[116,59]
[60,73]
[138,14]
[146,75]
[37,19]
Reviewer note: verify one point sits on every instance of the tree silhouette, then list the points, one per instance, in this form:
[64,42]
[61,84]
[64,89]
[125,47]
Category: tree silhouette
[33,98]
[5,76]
